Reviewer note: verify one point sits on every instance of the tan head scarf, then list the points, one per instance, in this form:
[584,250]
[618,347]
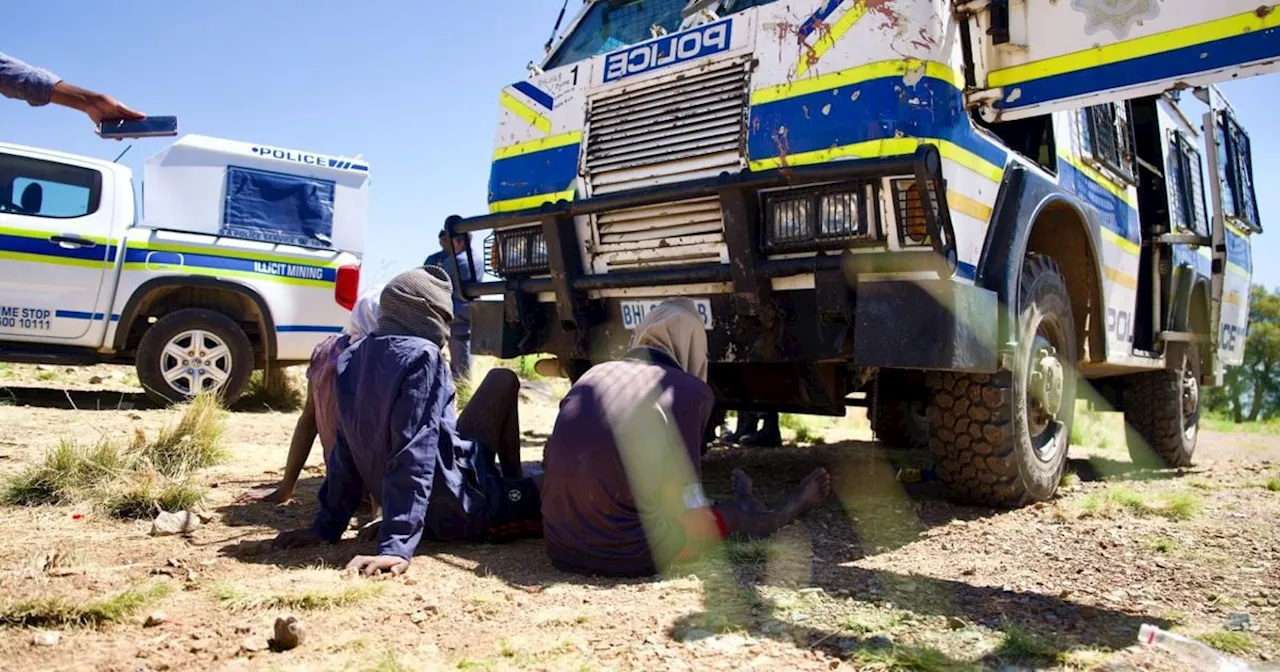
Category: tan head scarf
[675,328]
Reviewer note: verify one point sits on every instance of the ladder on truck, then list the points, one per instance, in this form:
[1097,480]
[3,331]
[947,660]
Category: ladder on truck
[1028,58]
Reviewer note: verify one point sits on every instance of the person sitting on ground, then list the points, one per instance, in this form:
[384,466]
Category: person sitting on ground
[320,410]
[398,438]
[622,493]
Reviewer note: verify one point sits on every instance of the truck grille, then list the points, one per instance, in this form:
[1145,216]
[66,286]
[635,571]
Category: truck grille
[666,131]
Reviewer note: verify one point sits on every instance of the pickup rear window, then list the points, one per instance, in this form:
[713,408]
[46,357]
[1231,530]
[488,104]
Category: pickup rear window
[278,208]
[39,188]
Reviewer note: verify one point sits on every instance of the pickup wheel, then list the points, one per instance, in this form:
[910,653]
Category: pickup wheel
[191,351]
[1162,411]
[1001,439]
[897,406]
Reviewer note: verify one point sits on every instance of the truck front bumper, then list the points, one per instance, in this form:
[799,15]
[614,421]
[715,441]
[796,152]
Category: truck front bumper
[933,323]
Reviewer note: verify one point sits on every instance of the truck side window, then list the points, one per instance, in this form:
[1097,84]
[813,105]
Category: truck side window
[1187,176]
[39,188]
[1109,139]
[1235,158]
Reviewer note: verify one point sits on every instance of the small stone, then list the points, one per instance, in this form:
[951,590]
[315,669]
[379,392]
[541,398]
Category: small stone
[812,591]
[95,380]
[956,623]
[289,634]
[418,617]
[168,524]
[883,640]
[46,639]
[154,619]
[254,645]
[694,635]
[1239,622]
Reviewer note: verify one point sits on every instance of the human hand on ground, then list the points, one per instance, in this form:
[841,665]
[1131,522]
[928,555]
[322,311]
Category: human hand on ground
[370,565]
[297,539]
[267,494]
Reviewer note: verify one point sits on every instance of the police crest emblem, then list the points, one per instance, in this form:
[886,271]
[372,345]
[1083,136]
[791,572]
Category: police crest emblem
[1118,16]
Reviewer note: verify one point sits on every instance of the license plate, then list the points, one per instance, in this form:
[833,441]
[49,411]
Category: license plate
[633,312]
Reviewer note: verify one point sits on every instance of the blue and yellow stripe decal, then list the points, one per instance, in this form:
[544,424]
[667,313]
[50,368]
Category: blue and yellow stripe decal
[528,174]
[526,112]
[36,247]
[869,111]
[1234,40]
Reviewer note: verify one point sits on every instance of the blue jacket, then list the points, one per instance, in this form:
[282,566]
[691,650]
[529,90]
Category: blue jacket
[397,439]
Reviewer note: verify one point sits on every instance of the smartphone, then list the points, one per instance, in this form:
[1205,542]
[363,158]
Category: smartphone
[146,127]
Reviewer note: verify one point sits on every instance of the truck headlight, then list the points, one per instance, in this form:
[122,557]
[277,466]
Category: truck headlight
[520,251]
[815,218]
[910,210]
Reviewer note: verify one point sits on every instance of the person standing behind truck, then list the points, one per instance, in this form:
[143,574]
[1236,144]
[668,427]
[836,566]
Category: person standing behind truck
[38,87]
[460,328]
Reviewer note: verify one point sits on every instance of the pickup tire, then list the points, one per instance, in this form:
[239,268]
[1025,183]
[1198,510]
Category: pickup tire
[897,406]
[1002,439]
[1162,411]
[191,351]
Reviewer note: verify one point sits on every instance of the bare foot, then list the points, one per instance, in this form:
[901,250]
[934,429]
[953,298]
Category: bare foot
[813,491]
[742,495]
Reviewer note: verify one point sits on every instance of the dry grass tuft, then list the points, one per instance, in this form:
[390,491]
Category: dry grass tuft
[130,482]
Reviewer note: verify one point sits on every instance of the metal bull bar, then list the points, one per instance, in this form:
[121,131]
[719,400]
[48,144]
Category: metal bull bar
[748,266]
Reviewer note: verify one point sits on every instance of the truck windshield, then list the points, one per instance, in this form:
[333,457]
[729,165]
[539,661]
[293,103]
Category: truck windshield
[613,24]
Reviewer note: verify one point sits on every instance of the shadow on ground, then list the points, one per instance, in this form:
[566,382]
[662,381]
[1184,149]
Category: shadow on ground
[78,400]
[871,513]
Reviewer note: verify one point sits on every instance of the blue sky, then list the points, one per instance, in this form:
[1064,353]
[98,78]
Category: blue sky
[412,85]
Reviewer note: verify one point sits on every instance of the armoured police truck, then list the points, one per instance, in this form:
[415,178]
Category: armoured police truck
[963,214]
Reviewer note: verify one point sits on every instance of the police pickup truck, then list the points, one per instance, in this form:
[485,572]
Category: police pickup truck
[243,257]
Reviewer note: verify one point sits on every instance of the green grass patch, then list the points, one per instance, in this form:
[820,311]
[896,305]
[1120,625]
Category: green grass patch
[1163,545]
[1020,645]
[46,376]
[791,421]
[906,659]
[1092,428]
[65,473]
[1234,643]
[144,496]
[237,599]
[1173,505]
[57,612]
[1273,484]
[1221,423]
[871,621]
[191,444]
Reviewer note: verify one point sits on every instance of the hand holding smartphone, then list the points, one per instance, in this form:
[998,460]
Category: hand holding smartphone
[146,127]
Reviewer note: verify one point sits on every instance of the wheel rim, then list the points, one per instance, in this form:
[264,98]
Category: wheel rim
[1047,391]
[196,361]
[1190,402]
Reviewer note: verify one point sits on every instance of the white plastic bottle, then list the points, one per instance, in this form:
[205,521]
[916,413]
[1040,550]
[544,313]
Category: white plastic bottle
[1202,656]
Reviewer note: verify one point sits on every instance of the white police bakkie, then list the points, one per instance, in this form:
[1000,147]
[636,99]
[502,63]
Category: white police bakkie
[243,256]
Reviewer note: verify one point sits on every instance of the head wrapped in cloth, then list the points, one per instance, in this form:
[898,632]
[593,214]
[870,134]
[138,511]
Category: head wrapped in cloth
[364,316]
[675,328]
[418,302]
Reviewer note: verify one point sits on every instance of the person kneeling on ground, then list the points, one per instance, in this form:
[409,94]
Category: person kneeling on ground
[622,493]
[320,411]
[399,440]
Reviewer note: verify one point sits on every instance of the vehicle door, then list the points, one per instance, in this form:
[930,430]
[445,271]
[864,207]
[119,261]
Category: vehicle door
[55,253]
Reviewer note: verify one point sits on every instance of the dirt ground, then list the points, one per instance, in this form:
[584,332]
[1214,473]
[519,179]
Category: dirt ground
[887,575]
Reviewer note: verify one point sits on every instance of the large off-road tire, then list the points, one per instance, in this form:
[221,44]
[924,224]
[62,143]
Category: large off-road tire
[1162,411]
[1002,439]
[897,407]
[194,350]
